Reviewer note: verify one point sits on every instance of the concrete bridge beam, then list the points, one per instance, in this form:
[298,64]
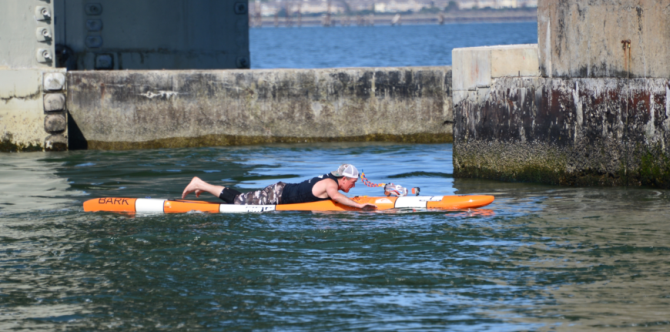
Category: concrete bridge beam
[160,109]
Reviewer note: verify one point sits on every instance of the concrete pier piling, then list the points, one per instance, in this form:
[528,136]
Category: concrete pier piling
[595,111]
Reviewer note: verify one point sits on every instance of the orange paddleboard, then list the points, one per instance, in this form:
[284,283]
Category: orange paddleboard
[152,205]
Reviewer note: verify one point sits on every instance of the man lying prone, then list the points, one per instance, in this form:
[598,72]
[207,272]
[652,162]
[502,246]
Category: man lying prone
[320,188]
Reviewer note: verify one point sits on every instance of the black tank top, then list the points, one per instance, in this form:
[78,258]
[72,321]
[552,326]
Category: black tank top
[302,192]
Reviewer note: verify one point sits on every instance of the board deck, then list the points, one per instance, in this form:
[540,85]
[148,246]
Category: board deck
[153,205]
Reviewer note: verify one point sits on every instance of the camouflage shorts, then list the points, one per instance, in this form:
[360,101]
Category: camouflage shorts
[267,196]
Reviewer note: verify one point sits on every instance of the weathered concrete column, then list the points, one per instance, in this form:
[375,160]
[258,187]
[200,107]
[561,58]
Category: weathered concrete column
[599,113]
[155,109]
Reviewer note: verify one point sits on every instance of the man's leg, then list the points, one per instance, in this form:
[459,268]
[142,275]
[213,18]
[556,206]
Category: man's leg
[270,195]
[198,186]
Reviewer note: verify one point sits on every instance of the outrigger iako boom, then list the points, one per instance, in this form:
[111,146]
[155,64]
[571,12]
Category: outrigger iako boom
[152,205]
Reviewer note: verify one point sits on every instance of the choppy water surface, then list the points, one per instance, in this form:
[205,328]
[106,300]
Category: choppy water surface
[538,258]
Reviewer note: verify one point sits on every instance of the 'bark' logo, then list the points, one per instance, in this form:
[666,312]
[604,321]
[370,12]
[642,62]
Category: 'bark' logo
[113,201]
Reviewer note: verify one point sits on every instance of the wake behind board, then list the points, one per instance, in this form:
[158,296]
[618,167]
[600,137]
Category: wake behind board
[152,205]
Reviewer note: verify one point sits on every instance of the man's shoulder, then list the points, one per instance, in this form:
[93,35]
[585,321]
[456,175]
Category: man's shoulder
[325,180]
[320,178]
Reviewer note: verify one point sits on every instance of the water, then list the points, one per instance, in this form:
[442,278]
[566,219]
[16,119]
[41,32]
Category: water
[378,46]
[538,258]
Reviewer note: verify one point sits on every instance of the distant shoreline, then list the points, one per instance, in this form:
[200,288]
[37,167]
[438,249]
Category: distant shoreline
[469,16]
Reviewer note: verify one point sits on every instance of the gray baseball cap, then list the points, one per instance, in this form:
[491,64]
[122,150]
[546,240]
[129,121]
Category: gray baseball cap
[347,170]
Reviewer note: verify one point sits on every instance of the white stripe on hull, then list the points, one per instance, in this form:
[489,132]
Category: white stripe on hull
[149,205]
[416,201]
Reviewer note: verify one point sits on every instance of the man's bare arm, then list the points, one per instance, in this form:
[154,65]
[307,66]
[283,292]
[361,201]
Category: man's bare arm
[335,195]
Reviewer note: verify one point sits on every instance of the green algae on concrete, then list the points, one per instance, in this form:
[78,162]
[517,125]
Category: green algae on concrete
[6,145]
[655,168]
[500,161]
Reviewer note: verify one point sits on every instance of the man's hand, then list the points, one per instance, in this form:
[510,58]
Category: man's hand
[335,195]
[368,207]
